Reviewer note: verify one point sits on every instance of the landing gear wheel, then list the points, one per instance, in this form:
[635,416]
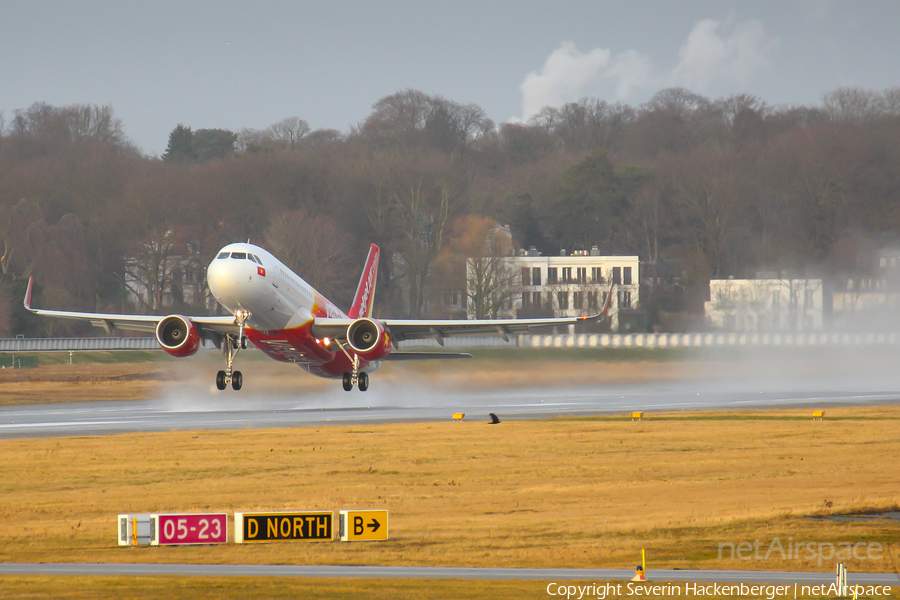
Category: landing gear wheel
[245,343]
[237,380]
[348,382]
[220,380]
[363,382]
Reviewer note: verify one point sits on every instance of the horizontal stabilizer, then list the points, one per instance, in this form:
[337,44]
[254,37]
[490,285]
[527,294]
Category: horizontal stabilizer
[426,355]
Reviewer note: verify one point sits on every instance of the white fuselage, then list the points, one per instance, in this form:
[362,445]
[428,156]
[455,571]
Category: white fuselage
[244,276]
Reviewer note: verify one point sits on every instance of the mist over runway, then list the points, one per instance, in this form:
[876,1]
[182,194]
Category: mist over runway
[195,407]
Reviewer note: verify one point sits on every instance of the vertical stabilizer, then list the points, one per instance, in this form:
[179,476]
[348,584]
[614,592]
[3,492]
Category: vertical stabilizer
[365,293]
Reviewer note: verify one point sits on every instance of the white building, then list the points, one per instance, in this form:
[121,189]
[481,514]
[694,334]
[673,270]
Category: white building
[564,286]
[871,300]
[765,304]
[166,273]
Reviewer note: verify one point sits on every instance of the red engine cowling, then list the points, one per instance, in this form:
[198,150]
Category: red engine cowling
[369,339]
[178,336]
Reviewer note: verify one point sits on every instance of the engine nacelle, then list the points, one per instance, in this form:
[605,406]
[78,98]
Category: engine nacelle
[178,336]
[369,339]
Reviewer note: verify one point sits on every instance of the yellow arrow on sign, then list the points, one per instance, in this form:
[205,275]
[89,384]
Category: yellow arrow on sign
[364,525]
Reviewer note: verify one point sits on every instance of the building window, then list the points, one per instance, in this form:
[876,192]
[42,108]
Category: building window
[563,299]
[536,299]
[536,276]
[578,300]
[617,275]
[582,274]
[567,274]
[624,300]
[525,297]
[626,276]
[592,301]
[552,276]
[526,276]
[596,275]
[776,301]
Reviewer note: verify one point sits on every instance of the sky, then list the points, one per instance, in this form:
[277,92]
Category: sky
[234,65]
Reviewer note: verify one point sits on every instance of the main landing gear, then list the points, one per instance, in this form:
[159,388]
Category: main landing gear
[354,377]
[362,380]
[230,347]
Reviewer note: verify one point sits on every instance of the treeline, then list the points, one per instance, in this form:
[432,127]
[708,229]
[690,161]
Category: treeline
[705,188]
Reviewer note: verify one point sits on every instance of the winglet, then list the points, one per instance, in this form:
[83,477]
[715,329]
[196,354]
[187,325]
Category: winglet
[604,312]
[608,300]
[27,302]
[365,292]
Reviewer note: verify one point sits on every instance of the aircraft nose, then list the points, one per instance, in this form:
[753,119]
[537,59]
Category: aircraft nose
[222,279]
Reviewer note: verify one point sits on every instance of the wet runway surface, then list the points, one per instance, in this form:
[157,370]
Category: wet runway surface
[201,409]
[657,575]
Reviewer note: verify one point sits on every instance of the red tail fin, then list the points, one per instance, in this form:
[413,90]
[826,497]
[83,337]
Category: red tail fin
[365,293]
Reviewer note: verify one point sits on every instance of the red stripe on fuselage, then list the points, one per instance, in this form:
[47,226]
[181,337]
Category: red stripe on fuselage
[297,345]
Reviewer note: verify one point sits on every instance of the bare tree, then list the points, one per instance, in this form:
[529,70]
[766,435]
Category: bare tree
[398,120]
[891,101]
[588,124]
[852,104]
[290,131]
[706,206]
[17,223]
[73,123]
[475,262]
[152,268]
[254,140]
[320,139]
[6,317]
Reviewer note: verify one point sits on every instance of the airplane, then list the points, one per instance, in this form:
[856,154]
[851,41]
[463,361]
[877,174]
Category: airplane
[278,312]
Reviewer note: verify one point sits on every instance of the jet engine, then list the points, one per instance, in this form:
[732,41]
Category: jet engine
[178,336]
[369,339]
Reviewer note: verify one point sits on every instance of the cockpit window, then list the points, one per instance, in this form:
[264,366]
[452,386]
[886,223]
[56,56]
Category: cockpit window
[242,255]
[257,259]
[223,254]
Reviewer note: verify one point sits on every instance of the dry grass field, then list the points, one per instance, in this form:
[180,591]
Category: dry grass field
[564,493]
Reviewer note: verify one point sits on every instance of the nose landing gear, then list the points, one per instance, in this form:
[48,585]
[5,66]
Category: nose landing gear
[230,348]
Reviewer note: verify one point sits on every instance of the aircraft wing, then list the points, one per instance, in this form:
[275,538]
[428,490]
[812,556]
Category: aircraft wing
[209,327]
[437,330]
[426,355]
[423,329]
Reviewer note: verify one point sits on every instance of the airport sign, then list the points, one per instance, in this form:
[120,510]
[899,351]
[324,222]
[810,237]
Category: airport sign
[177,529]
[363,525]
[305,526]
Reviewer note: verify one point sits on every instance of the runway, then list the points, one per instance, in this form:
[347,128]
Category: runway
[596,575]
[189,409]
